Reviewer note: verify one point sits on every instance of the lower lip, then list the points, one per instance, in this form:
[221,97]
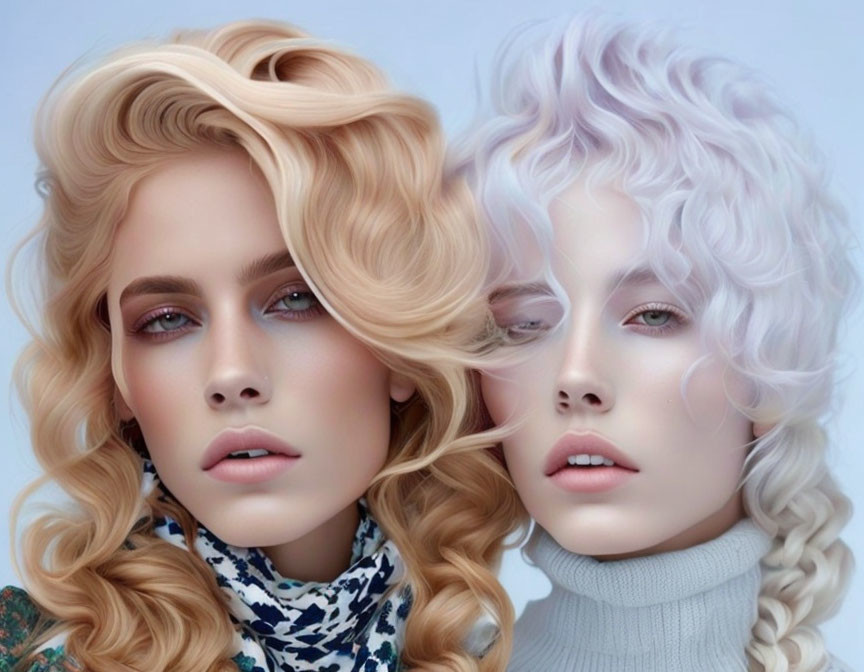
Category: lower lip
[591,479]
[251,470]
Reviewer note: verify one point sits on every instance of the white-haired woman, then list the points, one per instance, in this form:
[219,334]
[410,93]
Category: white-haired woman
[671,271]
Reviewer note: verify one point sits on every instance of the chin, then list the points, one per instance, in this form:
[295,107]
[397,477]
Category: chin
[598,548]
[601,544]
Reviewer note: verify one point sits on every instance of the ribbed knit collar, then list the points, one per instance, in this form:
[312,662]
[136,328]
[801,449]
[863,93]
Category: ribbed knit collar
[683,610]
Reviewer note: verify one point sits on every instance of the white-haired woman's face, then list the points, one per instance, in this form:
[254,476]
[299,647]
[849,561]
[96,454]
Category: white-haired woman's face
[611,457]
[263,416]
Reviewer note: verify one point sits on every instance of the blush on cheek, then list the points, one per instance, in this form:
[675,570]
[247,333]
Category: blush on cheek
[708,398]
[155,388]
[522,388]
[502,396]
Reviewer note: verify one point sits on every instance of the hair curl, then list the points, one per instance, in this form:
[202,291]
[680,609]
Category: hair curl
[739,223]
[356,174]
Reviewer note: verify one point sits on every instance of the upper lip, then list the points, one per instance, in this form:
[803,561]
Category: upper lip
[232,439]
[576,443]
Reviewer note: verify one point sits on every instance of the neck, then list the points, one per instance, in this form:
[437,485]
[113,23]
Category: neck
[320,555]
[684,610]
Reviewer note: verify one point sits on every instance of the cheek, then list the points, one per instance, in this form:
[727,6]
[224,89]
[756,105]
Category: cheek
[166,400]
[160,390]
[524,389]
[336,371]
[670,391]
[707,440]
[732,430]
[337,403]
[500,394]
[339,392]
[520,395]
[708,393]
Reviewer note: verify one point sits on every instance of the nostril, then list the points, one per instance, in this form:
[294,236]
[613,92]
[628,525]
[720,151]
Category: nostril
[229,395]
[591,399]
[563,401]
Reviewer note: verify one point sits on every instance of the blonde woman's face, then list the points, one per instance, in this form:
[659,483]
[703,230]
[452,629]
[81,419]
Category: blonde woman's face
[606,388]
[263,416]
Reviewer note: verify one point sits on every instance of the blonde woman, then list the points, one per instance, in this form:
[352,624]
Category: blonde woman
[671,273]
[255,296]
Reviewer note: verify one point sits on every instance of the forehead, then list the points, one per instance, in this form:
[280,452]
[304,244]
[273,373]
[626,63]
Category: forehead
[596,229]
[207,211]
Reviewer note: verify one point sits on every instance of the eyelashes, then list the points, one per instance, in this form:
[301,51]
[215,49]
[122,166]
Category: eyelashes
[656,319]
[295,303]
[163,321]
[523,319]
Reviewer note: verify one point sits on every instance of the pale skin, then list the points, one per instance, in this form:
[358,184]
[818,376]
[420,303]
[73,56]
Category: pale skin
[214,327]
[614,369]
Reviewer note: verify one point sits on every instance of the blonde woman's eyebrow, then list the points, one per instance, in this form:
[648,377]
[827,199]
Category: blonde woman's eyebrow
[265,266]
[160,284]
[172,284]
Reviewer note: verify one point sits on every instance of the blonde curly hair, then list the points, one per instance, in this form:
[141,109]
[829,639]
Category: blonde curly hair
[356,174]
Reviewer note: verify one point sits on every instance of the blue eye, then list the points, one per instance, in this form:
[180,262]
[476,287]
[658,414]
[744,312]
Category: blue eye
[525,328]
[298,301]
[525,315]
[165,323]
[656,318]
[296,304]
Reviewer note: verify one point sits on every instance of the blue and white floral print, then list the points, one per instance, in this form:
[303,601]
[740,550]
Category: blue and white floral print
[353,623]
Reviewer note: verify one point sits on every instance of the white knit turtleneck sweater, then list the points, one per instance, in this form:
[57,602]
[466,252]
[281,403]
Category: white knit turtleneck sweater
[687,611]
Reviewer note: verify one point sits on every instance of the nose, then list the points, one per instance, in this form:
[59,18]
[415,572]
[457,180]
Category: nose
[583,383]
[236,378]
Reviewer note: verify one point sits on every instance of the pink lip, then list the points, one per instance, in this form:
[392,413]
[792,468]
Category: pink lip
[590,479]
[252,470]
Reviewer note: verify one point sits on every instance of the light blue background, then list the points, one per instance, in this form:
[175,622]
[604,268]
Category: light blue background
[810,51]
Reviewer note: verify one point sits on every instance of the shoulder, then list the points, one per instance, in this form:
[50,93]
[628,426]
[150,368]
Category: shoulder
[19,617]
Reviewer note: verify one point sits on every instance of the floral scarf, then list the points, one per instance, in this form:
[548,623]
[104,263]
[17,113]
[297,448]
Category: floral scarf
[354,623]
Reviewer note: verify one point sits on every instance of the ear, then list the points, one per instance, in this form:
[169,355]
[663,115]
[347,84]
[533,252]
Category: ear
[123,411]
[401,387]
[762,428]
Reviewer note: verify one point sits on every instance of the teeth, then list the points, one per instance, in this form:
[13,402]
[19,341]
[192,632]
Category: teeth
[584,460]
[249,454]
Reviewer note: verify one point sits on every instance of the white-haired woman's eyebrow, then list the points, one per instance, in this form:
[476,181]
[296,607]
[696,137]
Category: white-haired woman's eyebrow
[508,291]
[641,275]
